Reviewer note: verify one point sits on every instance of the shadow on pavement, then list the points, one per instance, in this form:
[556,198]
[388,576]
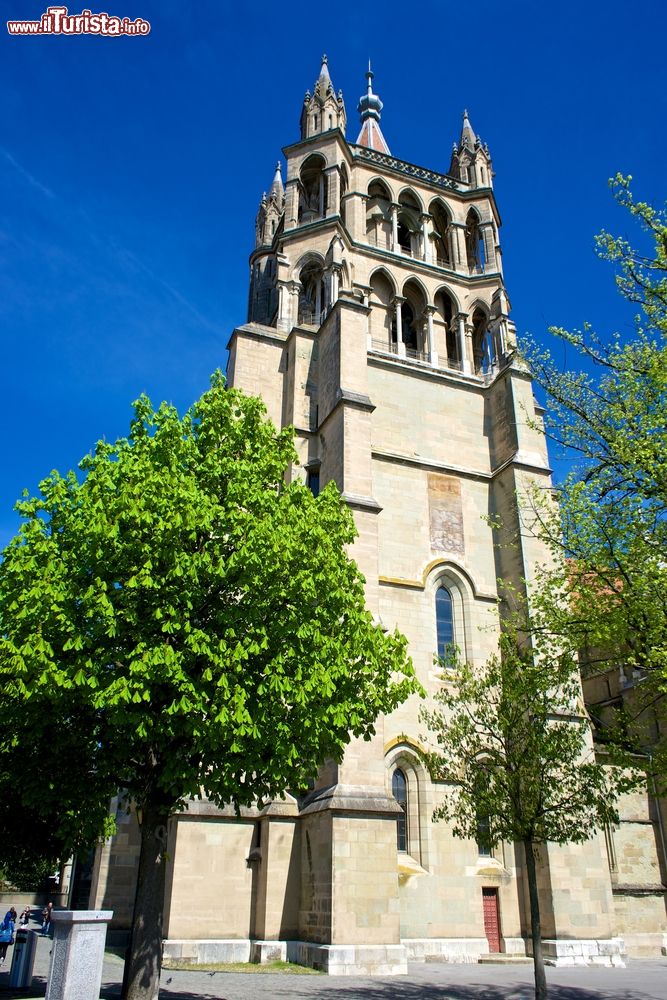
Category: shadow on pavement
[282,987]
[224,986]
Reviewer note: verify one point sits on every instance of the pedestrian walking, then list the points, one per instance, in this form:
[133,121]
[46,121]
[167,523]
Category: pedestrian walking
[47,914]
[7,933]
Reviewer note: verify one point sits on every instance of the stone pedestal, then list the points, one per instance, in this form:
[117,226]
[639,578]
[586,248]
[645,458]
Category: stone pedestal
[78,953]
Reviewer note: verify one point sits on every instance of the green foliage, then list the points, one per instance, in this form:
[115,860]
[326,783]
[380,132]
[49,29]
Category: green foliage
[609,541]
[514,749]
[28,851]
[25,871]
[181,620]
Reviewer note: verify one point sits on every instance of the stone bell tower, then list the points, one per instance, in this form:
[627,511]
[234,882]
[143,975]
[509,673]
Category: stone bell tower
[378,327]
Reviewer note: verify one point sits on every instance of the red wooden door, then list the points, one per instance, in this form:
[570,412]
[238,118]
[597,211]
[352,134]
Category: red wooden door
[491,918]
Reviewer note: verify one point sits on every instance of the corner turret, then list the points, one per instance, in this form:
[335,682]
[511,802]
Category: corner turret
[323,110]
[270,211]
[471,160]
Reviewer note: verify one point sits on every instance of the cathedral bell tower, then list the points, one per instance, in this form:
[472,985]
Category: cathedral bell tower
[379,328]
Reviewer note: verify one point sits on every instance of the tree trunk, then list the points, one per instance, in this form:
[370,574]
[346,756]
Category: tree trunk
[535,928]
[141,980]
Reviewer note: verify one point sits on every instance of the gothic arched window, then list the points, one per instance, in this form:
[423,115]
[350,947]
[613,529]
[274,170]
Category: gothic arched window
[312,189]
[399,789]
[312,293]
[475,249]
[441,233]
[444,620]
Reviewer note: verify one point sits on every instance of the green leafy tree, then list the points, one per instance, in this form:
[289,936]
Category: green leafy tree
[608,591]
[182,621]
[515,757]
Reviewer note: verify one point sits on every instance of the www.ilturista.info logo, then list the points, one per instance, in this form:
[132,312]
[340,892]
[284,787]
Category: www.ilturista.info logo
[58,21]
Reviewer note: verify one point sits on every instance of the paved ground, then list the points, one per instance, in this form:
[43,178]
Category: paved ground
[644,979]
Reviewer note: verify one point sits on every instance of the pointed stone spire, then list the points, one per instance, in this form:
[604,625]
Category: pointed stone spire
[324,110]
[471,160]
[370,109]
[270,211]
[468,137]
[324,81]
[277,189]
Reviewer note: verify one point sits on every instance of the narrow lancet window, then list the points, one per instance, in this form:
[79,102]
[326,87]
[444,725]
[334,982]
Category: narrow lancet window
[399,788]
[444,619]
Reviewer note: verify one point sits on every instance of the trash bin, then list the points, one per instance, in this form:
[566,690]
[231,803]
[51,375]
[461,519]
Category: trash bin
[23,959]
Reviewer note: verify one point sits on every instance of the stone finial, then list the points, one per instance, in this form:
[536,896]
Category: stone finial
[324,80]
[468,136]
[277,189]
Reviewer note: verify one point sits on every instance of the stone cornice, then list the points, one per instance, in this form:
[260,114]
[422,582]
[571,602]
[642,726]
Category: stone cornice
[346,397]
[367,504]
[411,170]
[257,331]
[458,470]
[350,798]
[411,263]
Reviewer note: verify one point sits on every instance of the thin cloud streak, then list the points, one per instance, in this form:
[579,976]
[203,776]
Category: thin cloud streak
[30,178]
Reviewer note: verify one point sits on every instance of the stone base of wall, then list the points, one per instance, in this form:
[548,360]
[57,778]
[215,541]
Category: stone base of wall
[334,959]
[262,952]
[350,959]
[201,952]
[458,951]
[607,951]
[392,960]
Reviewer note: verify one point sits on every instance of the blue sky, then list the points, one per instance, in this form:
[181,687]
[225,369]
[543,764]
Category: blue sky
[131,170]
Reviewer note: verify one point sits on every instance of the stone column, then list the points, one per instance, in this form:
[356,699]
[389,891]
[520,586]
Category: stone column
[293,304]
[451,245]
[291,203]
[425,220]
[283,305]
[460,261]
[400,345]
[502,337]
[320,201]
[394,227]
[494,331]
[333,190]
[78,953]
[318,303]
[432,351]
[489,249]
[470,349]
[334,283]
[463,351]
[355,215]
